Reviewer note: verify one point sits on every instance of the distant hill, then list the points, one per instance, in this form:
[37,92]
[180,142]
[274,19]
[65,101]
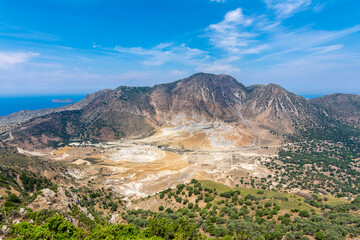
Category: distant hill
[343,107]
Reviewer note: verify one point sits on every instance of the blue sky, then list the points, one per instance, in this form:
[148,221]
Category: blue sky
[80,46]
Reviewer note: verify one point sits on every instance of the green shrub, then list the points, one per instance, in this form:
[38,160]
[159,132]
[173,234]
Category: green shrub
[304,214]
[13,198]
[208,199]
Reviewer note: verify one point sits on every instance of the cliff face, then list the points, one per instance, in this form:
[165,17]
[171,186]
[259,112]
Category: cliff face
[200,98]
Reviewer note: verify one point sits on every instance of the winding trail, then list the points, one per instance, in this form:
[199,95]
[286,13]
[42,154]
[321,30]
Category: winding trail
[10,137]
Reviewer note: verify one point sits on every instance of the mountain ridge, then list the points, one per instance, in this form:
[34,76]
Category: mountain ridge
[257,111]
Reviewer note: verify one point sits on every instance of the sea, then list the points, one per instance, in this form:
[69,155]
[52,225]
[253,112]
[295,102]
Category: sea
[11,104]
[310,96]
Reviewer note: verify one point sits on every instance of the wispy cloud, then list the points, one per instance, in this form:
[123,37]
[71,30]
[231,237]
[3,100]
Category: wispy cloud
[241,35]
[287,8]
[334,71]
[285,41]
[319,7]
[218,1]
[233,35]
[164,53]
[327,49]
[218,67]
[14,32]
[244,40]
[9,59]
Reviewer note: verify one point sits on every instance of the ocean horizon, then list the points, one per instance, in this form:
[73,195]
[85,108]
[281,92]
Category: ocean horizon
[12,104]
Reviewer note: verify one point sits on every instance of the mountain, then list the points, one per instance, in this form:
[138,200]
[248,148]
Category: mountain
[249,115]
[343,107]
[277,108]
[199,97]
[259,157]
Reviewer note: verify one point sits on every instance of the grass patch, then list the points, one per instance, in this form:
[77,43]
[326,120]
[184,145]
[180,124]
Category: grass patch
[286,201]
[215,185]
[336,201]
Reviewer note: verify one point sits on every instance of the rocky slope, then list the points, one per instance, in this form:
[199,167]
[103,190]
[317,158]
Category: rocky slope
[199,99]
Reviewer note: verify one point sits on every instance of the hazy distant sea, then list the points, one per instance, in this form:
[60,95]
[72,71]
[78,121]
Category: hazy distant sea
[11,104]
[310,96]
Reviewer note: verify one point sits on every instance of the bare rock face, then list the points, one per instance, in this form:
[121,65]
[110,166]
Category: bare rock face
[48,193]
[22,211]
[114,219]
[5,229]
[305,195]
[200,98]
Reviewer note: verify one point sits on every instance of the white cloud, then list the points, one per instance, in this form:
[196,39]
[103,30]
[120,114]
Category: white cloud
[218,67]
[268,40]
[231,20]
[236,16]
[164,53]
[287,8]
[232,34]
[218,1]
[9,59]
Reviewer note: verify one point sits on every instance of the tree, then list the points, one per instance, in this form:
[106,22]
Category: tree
[320,236]
[304,214]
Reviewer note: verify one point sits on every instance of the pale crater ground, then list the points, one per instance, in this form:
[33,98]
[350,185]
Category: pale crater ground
[174,155]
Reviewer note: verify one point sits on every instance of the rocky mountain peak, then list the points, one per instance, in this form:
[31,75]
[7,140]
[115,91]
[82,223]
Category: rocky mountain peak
[212,80]
[201,98]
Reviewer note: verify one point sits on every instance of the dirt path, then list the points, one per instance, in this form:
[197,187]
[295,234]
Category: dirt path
[10,137]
